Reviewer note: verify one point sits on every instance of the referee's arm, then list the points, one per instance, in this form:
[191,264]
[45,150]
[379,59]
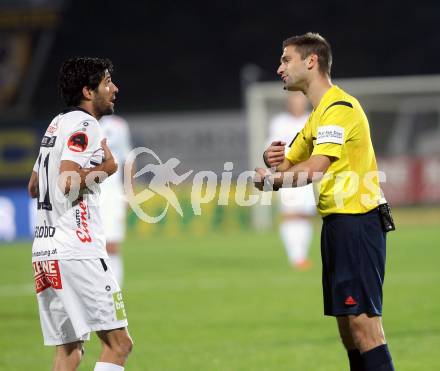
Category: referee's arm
[297,175]
[310,170]
[274,155]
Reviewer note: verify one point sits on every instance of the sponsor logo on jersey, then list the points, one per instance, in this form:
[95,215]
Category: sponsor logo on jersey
[330,134]
[78,142]
[44,231]
[47,274]
[40,253]
[119,306]
[48,141]
[52,129]
[82,215]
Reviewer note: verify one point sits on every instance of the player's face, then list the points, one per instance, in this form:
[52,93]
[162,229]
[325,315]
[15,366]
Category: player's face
[105,96]
[292,69]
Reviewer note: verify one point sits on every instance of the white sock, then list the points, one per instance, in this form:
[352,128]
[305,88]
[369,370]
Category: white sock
[296,235]
[115,261]
[104,366]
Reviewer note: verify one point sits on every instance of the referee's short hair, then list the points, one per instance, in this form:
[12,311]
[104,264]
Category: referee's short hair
[312,43]
[77,72]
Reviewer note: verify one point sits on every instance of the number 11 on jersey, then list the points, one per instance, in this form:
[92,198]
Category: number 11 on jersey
[43,183]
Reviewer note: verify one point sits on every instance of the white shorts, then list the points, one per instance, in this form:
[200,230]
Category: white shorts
[76,297]
[113,208]
[299,200]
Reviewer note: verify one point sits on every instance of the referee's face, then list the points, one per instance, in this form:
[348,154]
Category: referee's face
[292,69]
[105,96]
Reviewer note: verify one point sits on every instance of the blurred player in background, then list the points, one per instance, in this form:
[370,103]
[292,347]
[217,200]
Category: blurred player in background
[335,148]
[113,205]
[76,291]
[297,205]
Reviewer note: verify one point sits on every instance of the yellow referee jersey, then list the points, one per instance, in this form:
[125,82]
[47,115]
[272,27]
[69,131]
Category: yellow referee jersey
[338,128]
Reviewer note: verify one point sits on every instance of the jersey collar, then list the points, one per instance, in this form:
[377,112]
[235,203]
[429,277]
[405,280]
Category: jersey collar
[71,109]
[326,97]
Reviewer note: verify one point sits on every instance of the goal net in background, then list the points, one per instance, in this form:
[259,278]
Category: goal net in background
[404,116]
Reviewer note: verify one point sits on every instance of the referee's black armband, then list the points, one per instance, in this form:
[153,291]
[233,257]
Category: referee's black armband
[265,159]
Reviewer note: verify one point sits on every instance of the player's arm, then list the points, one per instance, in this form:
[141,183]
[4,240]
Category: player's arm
[33,185]
[108,166]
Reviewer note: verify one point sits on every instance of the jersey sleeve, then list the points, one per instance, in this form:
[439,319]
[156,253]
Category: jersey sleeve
[301,145]
[333,131]
[82,142]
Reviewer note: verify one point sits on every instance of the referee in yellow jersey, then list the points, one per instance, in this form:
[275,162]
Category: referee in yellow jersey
[334,151]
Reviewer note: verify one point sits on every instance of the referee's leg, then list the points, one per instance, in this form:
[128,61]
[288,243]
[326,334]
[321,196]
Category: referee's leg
[354,355]
[353,255]
[364,339]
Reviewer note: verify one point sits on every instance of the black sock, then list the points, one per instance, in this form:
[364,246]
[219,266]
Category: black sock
[355,358]
[378,359]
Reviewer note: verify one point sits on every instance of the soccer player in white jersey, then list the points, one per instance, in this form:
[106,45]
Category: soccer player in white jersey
[113,205]
[297,205]
[77,292]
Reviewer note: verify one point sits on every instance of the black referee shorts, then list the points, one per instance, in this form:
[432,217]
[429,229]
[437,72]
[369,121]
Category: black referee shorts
[353,250]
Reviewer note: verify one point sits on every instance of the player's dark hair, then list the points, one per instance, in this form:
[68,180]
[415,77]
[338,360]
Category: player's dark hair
[77,72]
[312,43]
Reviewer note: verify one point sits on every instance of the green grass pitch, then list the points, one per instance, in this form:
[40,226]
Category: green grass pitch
[230,302]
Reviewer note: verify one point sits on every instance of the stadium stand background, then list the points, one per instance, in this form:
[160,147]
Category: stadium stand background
[182,69]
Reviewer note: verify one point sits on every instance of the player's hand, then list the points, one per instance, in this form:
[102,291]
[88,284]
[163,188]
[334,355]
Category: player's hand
[109,164]
[274,154]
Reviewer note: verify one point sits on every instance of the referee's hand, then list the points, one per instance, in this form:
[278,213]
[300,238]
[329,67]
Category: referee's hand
[262,180]
[259,176]
[274,154]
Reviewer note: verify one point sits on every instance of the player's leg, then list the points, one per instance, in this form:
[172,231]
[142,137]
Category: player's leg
[68,356]
[353,353]
[296,233]
[56,322]
[93,302]
[297,206]
[116,346]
